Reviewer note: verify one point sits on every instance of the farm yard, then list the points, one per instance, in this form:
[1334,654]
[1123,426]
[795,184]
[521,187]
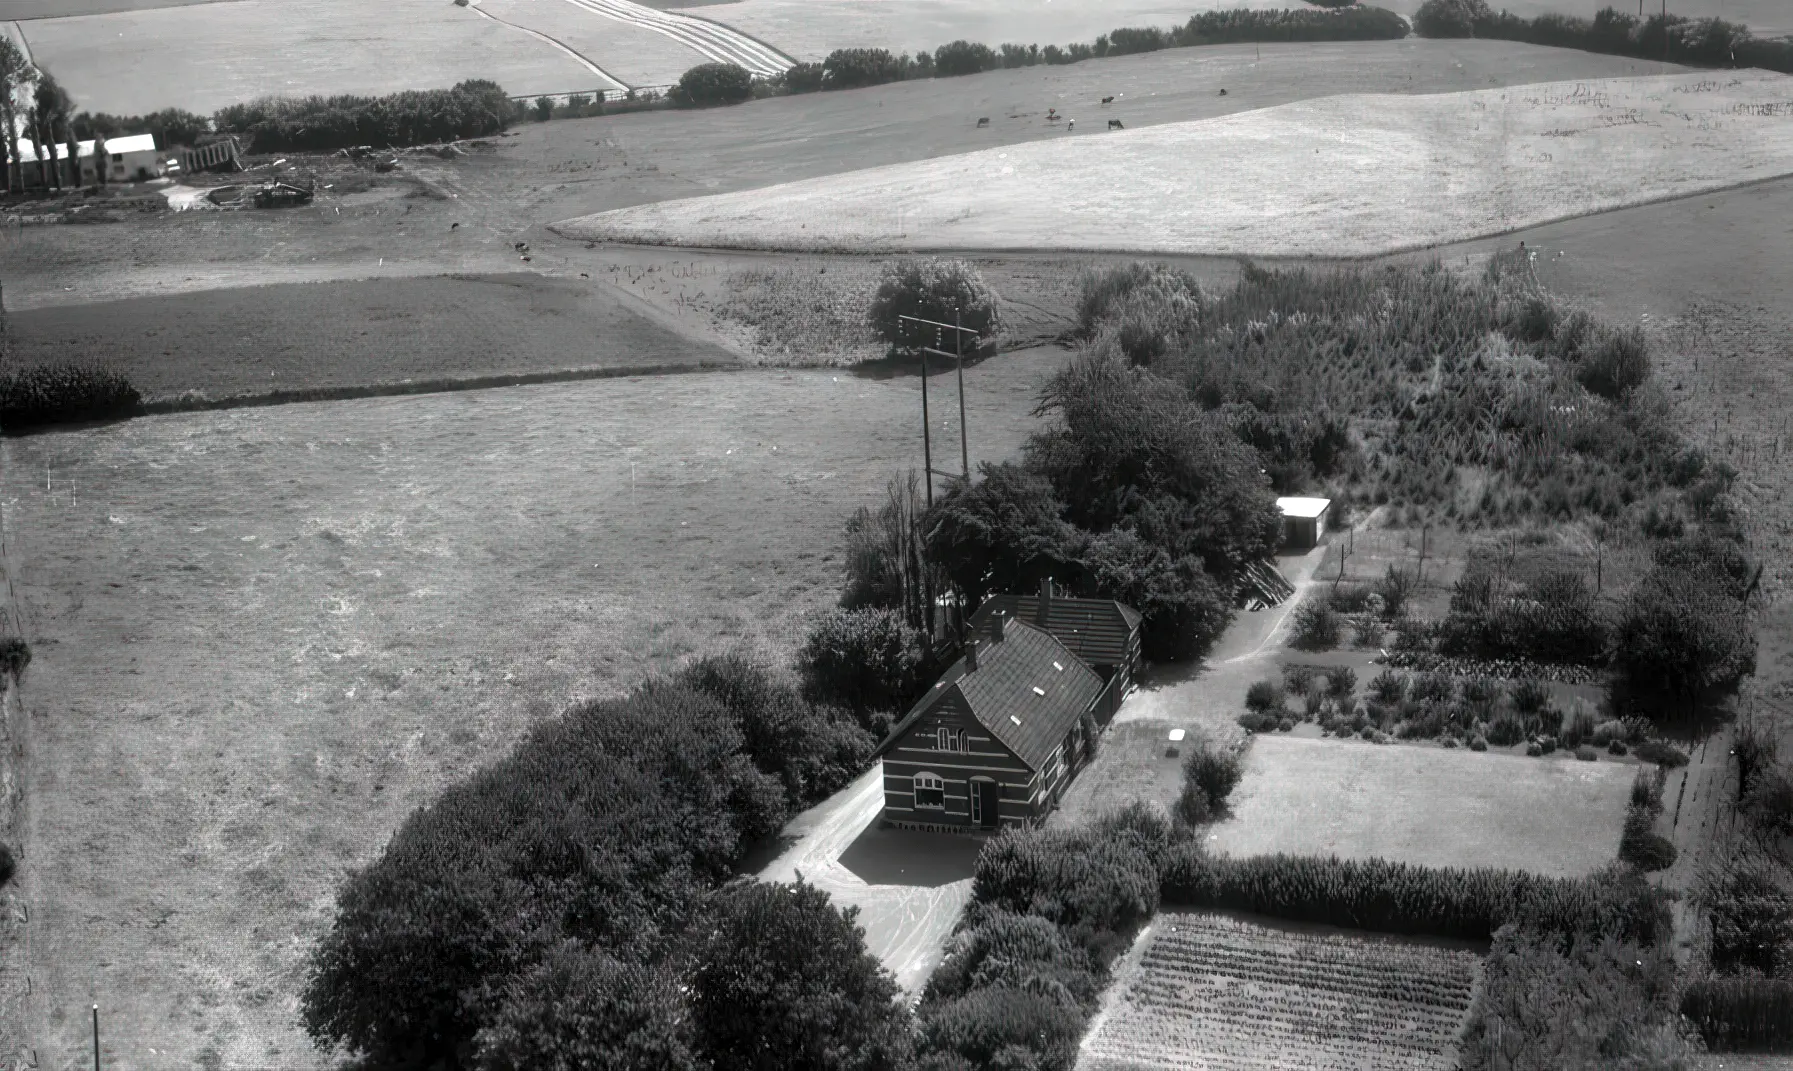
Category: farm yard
[1414,171]
[1425,806]
[1223,992]
[264,636]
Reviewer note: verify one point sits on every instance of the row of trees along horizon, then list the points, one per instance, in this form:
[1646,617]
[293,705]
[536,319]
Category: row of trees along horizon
[582,901]
[479,108]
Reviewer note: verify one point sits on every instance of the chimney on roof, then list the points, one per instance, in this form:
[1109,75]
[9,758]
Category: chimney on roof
[971,656]
[997,624]
[1045,607]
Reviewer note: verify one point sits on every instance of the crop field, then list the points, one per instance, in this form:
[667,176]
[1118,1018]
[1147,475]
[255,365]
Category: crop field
[204,56]
[339,334]
[1430,807]
[262,637]
[1221,992]
[810,29]
[1407,172]
[629,53]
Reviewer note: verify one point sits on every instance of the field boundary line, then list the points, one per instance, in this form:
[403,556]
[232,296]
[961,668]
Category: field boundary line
[768,46]
[563,46]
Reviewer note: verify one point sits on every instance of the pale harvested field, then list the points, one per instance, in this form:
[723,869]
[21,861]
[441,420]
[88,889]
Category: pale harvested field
[810,29]
[1427,806]
[637,56]
[204,56]
[1336,176]
[263,636]
[1222,992]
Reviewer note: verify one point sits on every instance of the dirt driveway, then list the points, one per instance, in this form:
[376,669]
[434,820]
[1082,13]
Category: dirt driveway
[909,887]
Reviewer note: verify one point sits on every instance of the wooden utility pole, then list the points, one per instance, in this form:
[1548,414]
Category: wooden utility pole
[958,356]
[964,443]
[96,1037]
[927,431]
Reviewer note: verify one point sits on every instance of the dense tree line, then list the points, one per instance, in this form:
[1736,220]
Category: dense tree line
[319,124]
[1698,42]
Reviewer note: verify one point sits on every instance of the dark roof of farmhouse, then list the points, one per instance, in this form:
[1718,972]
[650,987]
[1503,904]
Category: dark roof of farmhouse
[1095,630]
[1028,690]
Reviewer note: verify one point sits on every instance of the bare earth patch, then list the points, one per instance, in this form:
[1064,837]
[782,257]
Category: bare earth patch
[1427,806]
[1338,176]
[263,636]
[1221,992]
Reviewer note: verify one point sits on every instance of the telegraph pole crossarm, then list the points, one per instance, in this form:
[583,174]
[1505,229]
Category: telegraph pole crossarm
[957,353]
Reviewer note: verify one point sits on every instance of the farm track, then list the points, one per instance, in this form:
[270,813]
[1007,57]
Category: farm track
[713,40]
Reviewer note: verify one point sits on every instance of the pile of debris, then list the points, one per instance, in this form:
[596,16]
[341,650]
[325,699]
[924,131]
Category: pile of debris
[276,194]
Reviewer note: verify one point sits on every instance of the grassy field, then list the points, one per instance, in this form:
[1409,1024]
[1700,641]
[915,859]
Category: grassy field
[204,56]
[1405,172]
[567,168]
[56,9]
[1223,992]
[1426,806]
[264,636]
[336,334]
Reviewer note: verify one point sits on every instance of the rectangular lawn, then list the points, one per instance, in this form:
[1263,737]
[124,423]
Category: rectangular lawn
[1429,806]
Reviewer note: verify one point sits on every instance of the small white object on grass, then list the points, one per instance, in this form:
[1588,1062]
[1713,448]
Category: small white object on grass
[1176,736]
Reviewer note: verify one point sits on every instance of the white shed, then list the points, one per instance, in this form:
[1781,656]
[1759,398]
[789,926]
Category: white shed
[1303,520]
[133,158]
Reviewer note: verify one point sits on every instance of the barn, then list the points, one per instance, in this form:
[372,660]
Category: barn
[1103,633]
[128,159]
[1303,521]
[998,737]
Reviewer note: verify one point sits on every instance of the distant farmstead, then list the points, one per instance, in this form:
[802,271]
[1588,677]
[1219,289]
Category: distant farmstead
[1303,521]
[128,159]
[1000,735]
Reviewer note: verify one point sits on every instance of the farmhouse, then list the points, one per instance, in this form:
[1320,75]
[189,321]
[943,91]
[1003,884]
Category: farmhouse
[1303,521]
[128,159]
[1103,633]
[998,737]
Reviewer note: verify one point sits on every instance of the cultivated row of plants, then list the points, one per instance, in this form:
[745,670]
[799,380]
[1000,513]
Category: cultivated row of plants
[1698,42]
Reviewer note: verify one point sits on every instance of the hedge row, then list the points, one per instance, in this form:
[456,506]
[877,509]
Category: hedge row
[1742,1014]
[63,393]
[1391,897]
[471,109]
[1702,42]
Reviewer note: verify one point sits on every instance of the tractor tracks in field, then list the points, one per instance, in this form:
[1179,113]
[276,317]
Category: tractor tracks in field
[712,40]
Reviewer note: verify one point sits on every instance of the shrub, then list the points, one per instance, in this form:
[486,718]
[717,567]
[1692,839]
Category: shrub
[1586,754]
[1001,1022]
[1389,686]
[804,77]
[1617,747]
[1534,749]
[1449,18]
[1286,725]
[1529,695]
[1002,948]
[1146,826]
[1298,679]
[963,57]
[933,289]
[15,655]
[1215,771]
[1312,705]
[1769,800]
[1368,633]
[709,84]
[849,68]
[1433,687]
[1478,743]
[472,109]
[582,1008]
[867,661]
[1152,307]
[1341,682]
[8,867]
[1741,1014]
[1450,742]
[1618,363]
[1648,851]
[1396,588]
[1749,901]
[63,393]
[1253,722]
[1068,877]
[1607,731]
[1482,691]
[782,979]
[1679,638]
[1263,695]
[1184,607]
[1666,755]
[1505,731]
[1315,628]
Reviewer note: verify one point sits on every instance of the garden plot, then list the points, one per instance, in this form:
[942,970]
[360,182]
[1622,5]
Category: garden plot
[1555,816]
[1221,992]
[204,56]
[1352,175]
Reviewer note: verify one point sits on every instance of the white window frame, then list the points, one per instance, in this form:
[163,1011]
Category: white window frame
[949,739]
[926,781]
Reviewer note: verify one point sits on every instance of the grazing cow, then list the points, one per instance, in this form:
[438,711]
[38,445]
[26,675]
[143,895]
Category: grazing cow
[454,226]
[1223,92]
[1070,124]
[985,121]
[1107,100]
[1115,124]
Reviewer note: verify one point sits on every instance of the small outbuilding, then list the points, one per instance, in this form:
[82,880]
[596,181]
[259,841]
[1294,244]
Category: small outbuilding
[1303,521]
[134,158]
